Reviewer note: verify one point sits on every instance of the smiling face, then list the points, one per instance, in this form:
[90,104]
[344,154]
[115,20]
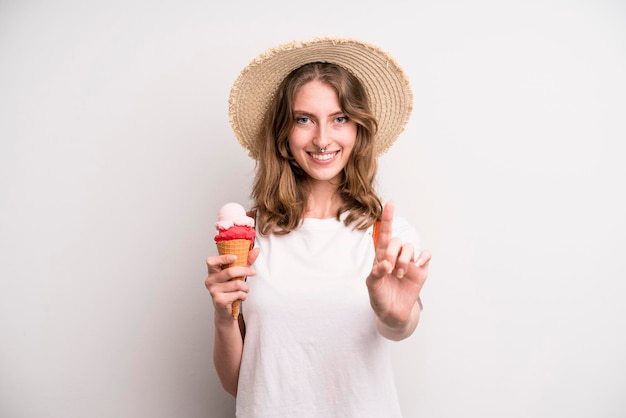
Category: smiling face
[321,124]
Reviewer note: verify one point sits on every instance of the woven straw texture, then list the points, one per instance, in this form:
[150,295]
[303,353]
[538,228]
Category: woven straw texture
[386,84]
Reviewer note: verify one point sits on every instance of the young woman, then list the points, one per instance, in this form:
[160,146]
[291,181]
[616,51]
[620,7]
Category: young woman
[322,300]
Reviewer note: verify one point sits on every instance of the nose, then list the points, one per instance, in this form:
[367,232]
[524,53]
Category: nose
[321,139]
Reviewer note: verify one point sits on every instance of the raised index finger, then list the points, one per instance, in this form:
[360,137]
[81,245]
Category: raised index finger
[385,230]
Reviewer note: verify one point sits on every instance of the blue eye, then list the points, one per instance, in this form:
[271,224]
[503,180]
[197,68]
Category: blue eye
[302,120]
[342,119]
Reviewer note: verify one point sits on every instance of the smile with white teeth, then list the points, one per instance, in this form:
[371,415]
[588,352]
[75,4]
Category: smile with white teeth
[324,157]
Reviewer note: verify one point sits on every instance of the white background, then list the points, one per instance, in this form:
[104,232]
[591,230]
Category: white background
[116,153]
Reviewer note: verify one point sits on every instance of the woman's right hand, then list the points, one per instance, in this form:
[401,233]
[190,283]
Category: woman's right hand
[223,290]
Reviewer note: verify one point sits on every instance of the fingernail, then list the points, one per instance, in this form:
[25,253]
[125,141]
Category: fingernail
[400,273]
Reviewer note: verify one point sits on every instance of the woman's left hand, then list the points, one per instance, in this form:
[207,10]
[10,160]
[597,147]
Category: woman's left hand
[396,280]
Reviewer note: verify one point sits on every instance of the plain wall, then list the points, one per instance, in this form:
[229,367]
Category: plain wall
[116,152]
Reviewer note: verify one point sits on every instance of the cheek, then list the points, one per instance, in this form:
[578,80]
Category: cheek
[297,139]
[294,149]
[349,138]
[290,145]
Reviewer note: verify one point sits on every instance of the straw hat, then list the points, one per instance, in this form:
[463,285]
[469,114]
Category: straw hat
[386,84]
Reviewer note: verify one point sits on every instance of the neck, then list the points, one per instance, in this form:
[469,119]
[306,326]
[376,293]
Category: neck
[323,202]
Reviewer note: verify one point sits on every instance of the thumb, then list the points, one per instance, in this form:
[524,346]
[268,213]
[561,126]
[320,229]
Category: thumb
[252,255]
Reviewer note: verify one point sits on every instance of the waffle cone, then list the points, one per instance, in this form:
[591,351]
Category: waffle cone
[240,248]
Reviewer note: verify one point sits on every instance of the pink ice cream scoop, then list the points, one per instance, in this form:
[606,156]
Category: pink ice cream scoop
[233,223]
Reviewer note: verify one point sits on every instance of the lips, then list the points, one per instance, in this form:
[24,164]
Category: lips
[327,156]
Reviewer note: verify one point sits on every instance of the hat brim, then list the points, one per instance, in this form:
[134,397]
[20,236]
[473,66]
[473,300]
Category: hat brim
[386,84]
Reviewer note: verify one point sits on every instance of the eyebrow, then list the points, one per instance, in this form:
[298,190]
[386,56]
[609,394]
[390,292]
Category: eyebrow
[303,113]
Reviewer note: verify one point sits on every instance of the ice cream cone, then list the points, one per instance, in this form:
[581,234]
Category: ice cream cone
[240,248]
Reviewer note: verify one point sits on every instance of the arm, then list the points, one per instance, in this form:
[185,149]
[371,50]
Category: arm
[395,282]
[227,351]
[229,333]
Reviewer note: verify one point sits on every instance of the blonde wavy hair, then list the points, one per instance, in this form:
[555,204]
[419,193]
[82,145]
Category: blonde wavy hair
[281,187]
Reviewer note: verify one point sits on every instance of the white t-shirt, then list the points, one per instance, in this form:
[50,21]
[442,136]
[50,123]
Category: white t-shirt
[311,348]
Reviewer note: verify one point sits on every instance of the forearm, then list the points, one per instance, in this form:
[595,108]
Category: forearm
[227,351]
[400,331]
